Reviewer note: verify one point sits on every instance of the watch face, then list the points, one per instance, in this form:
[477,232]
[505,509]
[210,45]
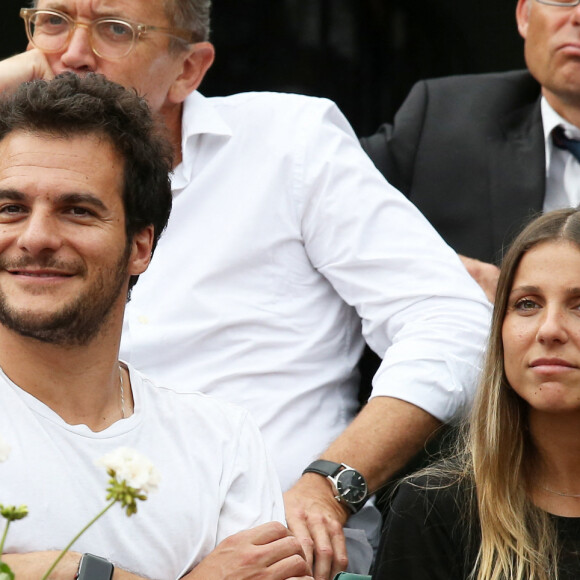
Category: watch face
[351,486]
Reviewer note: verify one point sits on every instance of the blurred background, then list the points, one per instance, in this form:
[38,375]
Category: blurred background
[363,54]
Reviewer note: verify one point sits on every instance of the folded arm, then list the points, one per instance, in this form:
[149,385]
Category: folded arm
[33,565]
[268,552]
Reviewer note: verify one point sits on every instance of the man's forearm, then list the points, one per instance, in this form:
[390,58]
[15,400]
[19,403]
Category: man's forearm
[33,565]
[383,437]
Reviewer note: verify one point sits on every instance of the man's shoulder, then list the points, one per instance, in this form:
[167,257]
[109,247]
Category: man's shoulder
[261,98]
[484,79]
[184,401]
[272,107]
[497,90]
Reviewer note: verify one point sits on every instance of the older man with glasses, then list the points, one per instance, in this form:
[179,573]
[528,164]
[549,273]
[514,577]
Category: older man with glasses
[480,154]
[284,243]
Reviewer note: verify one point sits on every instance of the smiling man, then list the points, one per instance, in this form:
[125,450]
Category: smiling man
[84,197]
[285,251]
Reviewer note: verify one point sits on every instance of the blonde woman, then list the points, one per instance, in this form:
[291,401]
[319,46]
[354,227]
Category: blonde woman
[506,506]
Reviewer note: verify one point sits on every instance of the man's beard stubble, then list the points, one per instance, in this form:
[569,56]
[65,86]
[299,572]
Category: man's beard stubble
[78,322]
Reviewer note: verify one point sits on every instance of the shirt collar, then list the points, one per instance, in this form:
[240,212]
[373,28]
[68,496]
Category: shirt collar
[199,117]
[550,120]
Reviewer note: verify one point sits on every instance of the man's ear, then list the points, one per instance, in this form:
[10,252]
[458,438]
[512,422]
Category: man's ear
[141,248]
[523,16]
[195,64]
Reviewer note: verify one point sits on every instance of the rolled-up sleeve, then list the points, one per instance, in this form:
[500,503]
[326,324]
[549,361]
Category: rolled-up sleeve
[420,309]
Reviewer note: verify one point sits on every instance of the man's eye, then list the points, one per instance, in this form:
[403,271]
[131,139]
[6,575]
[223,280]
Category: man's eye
[11,209]
[80,211]
[114,31]
[55,20]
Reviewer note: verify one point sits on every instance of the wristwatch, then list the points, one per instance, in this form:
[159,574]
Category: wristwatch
[95,568]
[348,484]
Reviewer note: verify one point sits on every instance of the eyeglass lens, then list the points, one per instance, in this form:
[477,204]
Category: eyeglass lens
[559,2]
[51,32]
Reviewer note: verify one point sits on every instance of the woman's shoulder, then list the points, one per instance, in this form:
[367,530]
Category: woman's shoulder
[443,491]
[426,533]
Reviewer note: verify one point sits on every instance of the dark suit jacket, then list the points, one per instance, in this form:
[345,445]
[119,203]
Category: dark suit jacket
[469,152]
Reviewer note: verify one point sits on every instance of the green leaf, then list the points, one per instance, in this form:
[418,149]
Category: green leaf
[5,572]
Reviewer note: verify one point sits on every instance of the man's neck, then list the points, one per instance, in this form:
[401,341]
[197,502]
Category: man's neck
[172,118]
[79,383]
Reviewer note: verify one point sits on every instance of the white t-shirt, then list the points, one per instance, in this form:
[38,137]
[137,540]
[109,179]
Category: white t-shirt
[215,478]
[283,244]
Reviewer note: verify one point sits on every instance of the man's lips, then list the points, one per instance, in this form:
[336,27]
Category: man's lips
[41,273]
[570,48]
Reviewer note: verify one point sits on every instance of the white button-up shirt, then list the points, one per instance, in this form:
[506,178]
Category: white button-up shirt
[283,243]
[562,168]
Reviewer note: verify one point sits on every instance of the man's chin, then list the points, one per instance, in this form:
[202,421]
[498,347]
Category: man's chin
[65,327]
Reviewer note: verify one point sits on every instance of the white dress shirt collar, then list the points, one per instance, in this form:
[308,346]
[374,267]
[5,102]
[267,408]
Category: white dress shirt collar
[199,118]
[562,168]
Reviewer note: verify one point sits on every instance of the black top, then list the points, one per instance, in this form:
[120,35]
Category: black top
[426,537]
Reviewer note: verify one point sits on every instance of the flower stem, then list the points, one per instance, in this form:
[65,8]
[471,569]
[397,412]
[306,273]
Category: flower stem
[69,545]
[4,538]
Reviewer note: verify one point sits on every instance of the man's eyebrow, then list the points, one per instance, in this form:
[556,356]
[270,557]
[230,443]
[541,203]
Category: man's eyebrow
[12,195]
[63,199]
[97,13]
[82,198]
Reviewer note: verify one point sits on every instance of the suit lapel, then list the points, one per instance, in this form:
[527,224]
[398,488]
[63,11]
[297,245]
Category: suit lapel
[517,171]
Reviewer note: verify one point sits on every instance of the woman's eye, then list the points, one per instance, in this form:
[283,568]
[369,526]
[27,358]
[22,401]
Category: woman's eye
[526,304]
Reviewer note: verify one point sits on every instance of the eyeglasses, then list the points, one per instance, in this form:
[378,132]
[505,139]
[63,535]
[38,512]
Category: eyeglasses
[563,3]
[110,38]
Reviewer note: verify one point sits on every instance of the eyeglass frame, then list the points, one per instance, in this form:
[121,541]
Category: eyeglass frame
[138,29]
[559,4]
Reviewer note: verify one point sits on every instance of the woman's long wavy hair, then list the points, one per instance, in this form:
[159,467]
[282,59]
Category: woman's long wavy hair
[496,457]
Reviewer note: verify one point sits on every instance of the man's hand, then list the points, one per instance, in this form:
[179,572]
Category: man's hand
[24,67]
[267,552]
[316,518]
[486,275]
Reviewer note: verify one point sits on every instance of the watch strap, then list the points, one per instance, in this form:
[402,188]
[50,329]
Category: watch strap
[324,467]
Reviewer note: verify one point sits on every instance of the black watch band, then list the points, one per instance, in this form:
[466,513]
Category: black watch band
[324,467]
[94,567]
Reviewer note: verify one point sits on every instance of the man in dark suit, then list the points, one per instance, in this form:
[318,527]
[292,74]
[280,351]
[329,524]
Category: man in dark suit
[476,154]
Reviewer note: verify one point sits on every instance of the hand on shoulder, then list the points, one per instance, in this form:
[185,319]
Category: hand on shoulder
[486,275]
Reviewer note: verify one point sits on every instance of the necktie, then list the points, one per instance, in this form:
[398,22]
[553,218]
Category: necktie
[560,140]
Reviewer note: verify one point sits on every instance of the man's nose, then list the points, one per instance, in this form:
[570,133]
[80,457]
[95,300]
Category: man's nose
[40,233]
[78,55]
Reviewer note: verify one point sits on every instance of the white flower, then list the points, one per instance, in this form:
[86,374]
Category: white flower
[132,467]
[4,449]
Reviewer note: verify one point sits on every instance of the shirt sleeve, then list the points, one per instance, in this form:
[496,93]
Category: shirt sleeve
[420,310]
[421,538]
[251,490]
